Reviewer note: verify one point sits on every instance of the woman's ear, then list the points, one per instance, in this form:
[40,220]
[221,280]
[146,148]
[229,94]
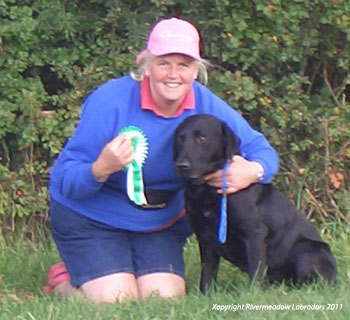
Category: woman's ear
[147,69]
[196,74]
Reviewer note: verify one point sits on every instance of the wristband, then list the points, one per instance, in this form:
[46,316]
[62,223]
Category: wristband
[260,174]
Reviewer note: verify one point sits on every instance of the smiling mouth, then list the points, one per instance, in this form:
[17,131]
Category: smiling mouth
[172,85]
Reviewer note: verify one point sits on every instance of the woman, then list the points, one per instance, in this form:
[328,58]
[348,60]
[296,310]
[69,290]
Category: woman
[116,202]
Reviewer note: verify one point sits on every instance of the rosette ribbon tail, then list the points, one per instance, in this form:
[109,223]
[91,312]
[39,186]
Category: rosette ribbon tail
[135,187]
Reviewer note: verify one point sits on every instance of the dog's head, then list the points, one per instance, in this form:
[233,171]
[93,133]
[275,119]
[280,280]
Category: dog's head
[203,144]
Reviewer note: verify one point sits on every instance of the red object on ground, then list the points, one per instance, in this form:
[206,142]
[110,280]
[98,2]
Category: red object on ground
[56,275]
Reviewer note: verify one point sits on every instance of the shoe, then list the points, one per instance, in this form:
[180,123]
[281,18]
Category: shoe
[56,275]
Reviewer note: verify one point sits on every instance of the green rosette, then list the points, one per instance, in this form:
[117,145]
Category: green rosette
[135,185]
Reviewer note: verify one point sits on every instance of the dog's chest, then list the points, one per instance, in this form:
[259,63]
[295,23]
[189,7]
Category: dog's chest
[203,208]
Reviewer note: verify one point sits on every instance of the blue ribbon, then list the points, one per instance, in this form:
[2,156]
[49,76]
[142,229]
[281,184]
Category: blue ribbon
[222,233]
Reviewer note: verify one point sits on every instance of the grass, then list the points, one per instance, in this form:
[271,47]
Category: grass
[24,263]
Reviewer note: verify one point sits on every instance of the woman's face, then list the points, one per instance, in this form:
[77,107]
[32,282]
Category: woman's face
[171,76]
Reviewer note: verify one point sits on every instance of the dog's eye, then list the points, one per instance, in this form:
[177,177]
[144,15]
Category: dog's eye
[201,139]
[181,138]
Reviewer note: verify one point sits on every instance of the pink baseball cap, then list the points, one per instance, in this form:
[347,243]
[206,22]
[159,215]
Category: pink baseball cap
[172,36]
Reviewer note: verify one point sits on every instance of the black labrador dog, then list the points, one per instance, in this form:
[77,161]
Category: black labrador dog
[266,235]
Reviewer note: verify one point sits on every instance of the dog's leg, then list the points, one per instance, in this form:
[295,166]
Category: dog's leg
[256,254]
[210,263]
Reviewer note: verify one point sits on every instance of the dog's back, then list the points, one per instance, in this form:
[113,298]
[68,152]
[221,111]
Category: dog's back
[295,251]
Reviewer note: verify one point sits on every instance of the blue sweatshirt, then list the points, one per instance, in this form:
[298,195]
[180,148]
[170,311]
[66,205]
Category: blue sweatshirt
[110,108]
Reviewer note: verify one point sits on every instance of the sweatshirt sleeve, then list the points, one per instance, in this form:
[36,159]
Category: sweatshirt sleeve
[72,174]
[255,147]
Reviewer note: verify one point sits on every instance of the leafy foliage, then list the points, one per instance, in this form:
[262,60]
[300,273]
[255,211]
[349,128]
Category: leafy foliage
[283,64]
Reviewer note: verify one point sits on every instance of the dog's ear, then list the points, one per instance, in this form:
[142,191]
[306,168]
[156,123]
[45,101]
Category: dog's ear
[232,142]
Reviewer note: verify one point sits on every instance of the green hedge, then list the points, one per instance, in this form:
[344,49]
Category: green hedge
[283,64]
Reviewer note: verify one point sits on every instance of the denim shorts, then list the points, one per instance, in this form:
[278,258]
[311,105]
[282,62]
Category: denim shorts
[91,249]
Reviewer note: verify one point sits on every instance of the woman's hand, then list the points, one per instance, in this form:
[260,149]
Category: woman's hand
[114,157]
[240,174]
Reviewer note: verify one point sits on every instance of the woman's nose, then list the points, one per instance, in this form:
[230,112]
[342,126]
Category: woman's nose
[172,72]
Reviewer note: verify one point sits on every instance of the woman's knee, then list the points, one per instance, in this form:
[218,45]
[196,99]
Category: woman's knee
[112,288]
[165,285]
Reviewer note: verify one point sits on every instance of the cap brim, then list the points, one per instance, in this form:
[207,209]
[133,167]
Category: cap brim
[165,51]
[174,50]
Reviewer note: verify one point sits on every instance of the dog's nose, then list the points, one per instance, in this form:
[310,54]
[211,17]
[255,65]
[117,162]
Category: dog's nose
[183,165]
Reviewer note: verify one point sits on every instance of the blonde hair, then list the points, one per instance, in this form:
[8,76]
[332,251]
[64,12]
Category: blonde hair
[139,73]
